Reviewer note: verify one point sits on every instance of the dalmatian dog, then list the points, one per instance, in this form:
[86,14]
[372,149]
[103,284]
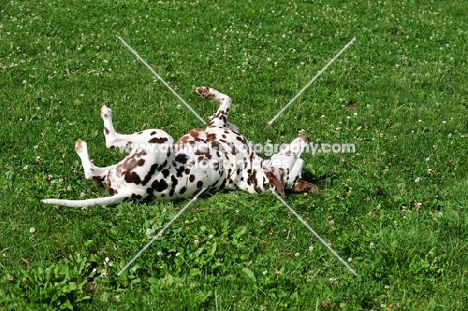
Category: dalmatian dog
[214,158]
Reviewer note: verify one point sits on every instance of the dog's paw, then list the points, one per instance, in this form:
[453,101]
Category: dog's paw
[80,145]
[106,112]
[204,92]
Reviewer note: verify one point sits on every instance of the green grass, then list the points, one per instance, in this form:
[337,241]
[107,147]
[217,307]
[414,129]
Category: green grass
[407,74]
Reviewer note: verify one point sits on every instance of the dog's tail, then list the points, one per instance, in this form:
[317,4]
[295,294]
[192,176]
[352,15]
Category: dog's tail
[88,202]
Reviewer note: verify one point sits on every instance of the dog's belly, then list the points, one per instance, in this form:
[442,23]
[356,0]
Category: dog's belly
[210,159]
[225,154]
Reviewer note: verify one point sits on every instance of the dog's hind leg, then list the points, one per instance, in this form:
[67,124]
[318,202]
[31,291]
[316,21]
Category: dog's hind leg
[91,171]
[219,119]
[130,141]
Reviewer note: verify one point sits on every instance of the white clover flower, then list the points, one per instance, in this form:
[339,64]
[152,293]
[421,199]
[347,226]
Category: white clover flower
[32,230]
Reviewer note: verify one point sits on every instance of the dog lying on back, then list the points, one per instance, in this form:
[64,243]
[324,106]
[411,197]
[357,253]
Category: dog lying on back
[214,158]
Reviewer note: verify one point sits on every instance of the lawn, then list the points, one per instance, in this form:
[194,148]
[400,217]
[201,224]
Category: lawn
[395,209]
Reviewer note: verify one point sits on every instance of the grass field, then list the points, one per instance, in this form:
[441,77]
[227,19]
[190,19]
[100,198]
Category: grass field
[396,209]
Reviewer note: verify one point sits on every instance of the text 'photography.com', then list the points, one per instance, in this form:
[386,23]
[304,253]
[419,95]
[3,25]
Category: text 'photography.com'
[264,149]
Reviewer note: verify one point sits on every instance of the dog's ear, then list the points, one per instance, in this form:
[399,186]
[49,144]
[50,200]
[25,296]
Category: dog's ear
[275,182]
[304,186]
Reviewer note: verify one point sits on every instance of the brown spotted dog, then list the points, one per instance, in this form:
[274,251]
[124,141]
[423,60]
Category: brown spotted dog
[216,157]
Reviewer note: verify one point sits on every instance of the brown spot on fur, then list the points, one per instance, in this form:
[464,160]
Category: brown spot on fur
[159,185]
[106,131]
[150,173]
[275,182]
[181,158]
[129,165]
[157,140]
[204,153]
[211,137]
[193,135]
[241,139]
[132,177]
[136,196]
[108,187]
